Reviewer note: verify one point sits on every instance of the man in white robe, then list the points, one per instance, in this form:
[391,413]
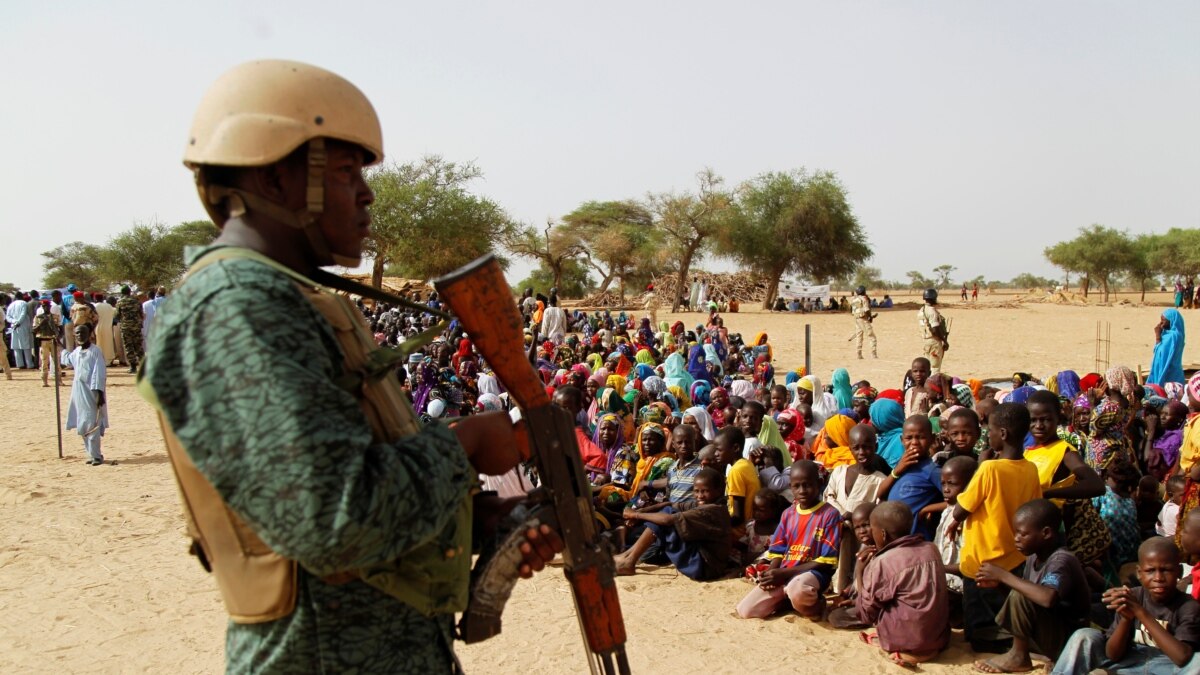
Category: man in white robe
[20,321]
[104,330]
[88,412]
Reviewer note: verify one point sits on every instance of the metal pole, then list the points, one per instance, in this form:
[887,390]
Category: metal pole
[808,348]
[57,367]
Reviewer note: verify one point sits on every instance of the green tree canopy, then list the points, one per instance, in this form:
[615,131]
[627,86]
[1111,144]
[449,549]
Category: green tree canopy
[692,222]
[553,247]
[796,223]
[75,263]
[426,222]
[942,274]
[619,240]
[572,282]
[150,255]
[1098,252]
[1176,253]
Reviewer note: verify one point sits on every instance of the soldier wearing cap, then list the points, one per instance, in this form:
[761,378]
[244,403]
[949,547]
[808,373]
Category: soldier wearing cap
[337,527]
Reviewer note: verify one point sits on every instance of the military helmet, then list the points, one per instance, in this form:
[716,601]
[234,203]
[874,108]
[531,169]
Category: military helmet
[930,295]
[861,290]
[259,113]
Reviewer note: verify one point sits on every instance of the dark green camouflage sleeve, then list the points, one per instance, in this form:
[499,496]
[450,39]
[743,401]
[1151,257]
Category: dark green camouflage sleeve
[244,369]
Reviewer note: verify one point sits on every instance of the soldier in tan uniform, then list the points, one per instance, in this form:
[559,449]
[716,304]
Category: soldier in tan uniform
[933,330]
[860,309]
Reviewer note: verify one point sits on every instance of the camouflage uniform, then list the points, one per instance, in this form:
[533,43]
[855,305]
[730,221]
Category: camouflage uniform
[929,318]
[860,309]
[129,313]
[253,397]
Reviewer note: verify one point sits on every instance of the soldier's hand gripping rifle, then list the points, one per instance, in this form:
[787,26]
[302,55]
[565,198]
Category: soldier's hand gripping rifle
[479,295]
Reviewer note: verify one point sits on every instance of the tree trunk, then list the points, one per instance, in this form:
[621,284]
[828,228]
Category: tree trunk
[1143,290]
[684,265]
[1086,284]
[377,272]
[1104,287]
[557,269]
[772,289]
[605,283]
[621,289]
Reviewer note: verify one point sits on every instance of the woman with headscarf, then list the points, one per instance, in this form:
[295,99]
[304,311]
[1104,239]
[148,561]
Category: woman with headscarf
[1167,365]
[675,373]
[697,416]
[699,393]
[1068,385]
[762,346]
[718,400]
[695,365]
[887,416]
[1112,411]
[791,428]
[841,388]
[764,372]
[963,396]
[682,400]
[831,448]
[824,404]
[1021,379]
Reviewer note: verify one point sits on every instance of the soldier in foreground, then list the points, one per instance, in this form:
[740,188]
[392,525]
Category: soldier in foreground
[308,482]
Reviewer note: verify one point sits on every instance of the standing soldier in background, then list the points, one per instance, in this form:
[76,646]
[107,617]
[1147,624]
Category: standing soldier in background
[933,330]
[47,330]
[129,314]
[860,309]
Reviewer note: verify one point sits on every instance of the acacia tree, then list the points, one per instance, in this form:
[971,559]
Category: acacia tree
[691,223]
[76,262]
[553,247]
[1177,252]
[917,281]
[149,255]
[942,273]
[796,223]
[618,239]
[426,222]
[1098,252]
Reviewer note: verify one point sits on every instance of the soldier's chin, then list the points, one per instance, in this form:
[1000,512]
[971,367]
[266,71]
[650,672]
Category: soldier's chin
[346,261]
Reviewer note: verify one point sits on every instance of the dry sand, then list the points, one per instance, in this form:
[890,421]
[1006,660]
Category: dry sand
[95,577]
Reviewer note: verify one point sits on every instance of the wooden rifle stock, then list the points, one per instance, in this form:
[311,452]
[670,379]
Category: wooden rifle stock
[479,296]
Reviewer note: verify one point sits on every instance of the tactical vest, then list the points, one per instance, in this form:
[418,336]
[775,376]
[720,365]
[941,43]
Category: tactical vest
[259,585]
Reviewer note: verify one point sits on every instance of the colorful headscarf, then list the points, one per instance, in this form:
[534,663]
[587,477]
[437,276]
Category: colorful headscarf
[1122,380]
[1090,381]
[864,393]
[1021,379]
[1174,390]
[1083,402]
[976,386]
[1193,388]
[699,392]
[962,393]
[618,441]
[841,388]
[644,356]
[887,416]
[892,395]
[1068,385]
[837,442]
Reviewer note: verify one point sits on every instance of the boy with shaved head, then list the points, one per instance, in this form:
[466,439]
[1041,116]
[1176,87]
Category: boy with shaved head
[902,589]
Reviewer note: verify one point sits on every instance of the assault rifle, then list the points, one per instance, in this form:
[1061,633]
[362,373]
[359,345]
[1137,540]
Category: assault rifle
[479,296]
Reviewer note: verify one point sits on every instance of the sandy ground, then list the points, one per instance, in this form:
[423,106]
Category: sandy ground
[94,574]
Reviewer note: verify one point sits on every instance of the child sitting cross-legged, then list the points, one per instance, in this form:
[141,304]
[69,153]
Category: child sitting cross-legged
[695,534]
[844,614]
[803,553]
[902,590]
[1049,601]
[1156,629]
[769,506]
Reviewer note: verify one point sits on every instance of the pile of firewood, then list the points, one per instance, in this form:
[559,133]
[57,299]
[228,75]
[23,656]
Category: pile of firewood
[745,287]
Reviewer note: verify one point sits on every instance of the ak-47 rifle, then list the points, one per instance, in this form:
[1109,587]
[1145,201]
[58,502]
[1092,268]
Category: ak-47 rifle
[479,296]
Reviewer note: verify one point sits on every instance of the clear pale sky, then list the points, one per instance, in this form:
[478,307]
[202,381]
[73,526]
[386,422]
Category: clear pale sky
[973,133]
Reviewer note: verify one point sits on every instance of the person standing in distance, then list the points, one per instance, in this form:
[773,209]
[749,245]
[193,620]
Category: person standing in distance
[933,330]
[860,309]
[337,526]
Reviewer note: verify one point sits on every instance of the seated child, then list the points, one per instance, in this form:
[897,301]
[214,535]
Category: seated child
[803,553]
[961,433]
[708,456]
[844,613]
[694,534]
[1156,629]
[1164,439]
[769,506]
[916,481]
[1189,543]
[902,590]
[1168,517]
[741,478]
[986,509]
[678,481]
[956,475]
[1149,505]
[851,485]
[1119,513]
[1045,604]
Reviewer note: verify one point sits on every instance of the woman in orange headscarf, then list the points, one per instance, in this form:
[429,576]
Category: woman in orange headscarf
[831,447]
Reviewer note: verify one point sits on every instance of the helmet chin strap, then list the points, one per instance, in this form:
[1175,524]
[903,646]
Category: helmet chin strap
[240,201]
